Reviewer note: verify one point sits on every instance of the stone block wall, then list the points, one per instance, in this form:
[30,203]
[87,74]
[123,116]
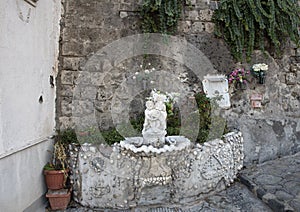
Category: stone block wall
[272,130]
[88,26]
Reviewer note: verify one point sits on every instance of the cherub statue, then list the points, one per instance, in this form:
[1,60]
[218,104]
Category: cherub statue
[154,129]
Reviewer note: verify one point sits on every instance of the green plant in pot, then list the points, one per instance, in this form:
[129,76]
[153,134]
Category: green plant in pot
[56,171]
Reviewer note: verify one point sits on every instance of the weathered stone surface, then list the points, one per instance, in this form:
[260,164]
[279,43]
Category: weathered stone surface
[205,15]
[283,195]
[66,90]
[234,198]
[66,106]
[89,26]
[262,146]
[291,78]
[297,52]
[184,26]
[238,198]
[214,5]
[197,27]
[279,179]
[67,122]
[269,179]
[295,67]
[192,15]
[116,177]
[199,4]
[209,27]
[268,131]
[70,48]
[67,77]
[82,107]
[214,49]
[71,63]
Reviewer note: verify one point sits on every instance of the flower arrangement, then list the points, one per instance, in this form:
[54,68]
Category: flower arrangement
[260,67]
[258,71]
[238,76]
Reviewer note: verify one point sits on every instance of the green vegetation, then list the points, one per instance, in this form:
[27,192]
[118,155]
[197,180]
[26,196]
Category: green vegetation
[256,24]
[67,136]
[59,155]
[211,126]
[161,16]
[173,121]
[112,136]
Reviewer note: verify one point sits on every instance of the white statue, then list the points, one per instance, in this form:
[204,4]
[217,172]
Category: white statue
[154,129]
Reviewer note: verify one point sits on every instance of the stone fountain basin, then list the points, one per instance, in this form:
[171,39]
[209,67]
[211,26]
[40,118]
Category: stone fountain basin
[117,177]
[178,143]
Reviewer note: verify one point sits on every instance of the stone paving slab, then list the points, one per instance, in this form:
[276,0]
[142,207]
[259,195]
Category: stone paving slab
[277,182]
[236,198]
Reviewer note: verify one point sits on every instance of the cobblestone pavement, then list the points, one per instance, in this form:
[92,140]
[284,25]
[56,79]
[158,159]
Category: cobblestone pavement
[271,186]
[277,182]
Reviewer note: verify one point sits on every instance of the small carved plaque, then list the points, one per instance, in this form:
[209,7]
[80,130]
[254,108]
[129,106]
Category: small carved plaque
[256,100]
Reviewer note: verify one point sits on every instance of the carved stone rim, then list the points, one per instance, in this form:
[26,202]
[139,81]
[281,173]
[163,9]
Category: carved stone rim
[181,143]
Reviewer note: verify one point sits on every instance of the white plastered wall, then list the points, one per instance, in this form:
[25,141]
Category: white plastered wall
[28,56]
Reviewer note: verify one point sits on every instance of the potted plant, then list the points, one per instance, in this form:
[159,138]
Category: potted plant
[56,172]
[59,199]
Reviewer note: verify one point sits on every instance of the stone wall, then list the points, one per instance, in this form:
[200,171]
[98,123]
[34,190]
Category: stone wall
[87,27]
[272,130]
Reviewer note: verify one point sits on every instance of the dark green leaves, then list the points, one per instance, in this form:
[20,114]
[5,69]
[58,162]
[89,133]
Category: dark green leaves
[250,24]
[161,16]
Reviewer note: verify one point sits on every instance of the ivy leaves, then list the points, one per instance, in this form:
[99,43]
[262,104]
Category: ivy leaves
[247,24]
[161,16]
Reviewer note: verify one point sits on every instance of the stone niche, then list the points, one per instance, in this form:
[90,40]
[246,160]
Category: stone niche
[216,86]
[114,177]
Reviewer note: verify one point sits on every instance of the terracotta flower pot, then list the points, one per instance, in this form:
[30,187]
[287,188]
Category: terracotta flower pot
[59,199]
[55,179]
